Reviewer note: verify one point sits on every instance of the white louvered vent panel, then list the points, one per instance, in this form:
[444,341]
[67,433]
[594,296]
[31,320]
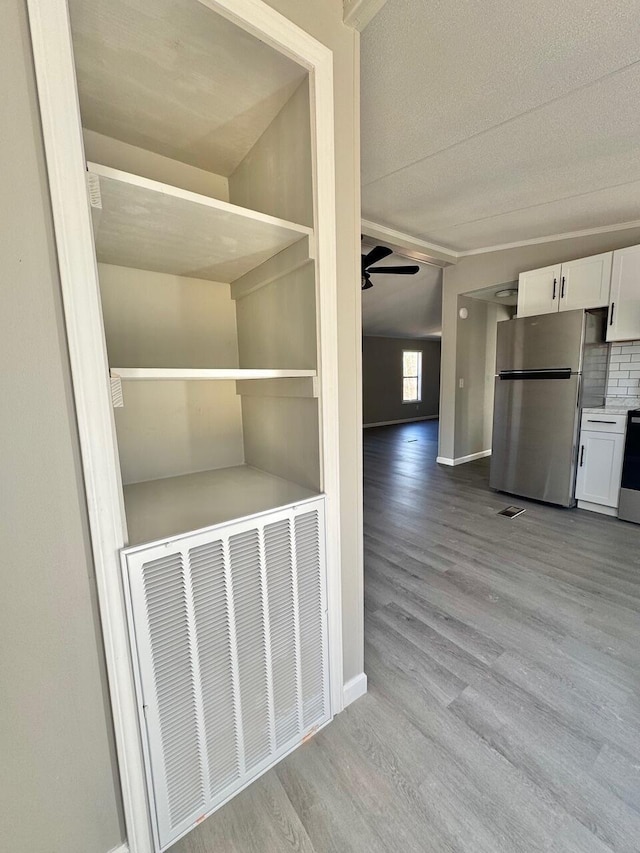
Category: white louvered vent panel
[228,629]
[244,551]
[312,617]
[283,629]
[166,604]
[213,633]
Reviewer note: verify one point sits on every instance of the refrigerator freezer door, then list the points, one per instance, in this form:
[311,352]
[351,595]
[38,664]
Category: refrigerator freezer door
[535,425]
[544,341]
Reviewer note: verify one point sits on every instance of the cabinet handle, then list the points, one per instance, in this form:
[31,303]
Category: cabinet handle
[562,291]
[555,281]
[613,308]
[590,421]
[581,455]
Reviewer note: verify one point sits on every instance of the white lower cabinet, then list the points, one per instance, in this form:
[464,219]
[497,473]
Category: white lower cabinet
[228,635]
[600,463]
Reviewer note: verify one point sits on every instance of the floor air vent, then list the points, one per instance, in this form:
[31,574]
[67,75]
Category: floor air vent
[230,648]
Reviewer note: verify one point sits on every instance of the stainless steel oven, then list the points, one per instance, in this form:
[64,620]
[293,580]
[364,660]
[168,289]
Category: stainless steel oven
[629,508]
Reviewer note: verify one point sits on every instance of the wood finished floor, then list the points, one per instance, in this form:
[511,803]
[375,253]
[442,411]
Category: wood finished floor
[503,657]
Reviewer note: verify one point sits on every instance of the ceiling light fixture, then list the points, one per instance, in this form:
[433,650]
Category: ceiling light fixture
[505,294]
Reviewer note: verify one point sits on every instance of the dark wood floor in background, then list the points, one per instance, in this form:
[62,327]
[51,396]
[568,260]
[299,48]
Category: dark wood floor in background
[503,713]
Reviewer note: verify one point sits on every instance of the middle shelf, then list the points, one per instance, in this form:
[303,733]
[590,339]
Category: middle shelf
[184,373]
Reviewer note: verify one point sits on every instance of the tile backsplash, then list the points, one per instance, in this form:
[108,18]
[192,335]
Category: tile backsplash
[624,370]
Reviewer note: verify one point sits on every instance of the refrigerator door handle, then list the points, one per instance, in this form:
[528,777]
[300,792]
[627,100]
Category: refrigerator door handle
[544,373]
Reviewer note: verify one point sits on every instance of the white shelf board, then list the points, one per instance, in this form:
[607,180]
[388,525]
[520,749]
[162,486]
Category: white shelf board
[148,225]
[184,373]
[158,509]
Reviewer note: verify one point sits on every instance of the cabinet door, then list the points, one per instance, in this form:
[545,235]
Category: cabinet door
[585,283]
[538,291]
[599,467]
[624,310]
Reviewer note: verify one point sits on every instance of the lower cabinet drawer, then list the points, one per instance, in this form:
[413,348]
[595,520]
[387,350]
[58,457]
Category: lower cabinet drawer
[603,423]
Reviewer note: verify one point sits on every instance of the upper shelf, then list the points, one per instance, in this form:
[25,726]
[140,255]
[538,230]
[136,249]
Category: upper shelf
[149,225]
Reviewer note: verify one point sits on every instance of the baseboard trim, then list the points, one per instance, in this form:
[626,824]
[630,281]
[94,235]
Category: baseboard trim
[401,421]
[603,510]
[354,689]
[122,848]
[460,460]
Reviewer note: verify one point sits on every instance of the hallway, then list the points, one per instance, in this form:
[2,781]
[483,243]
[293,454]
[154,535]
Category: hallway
[503,713]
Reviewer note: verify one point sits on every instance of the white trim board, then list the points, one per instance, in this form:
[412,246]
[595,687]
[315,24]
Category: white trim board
[402,421]
[354,688]
[460,460]
[64,149]
[121,848]
[442,256]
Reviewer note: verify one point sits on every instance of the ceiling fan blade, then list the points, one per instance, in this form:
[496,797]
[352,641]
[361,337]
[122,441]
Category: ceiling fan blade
[375,255]
[412,270]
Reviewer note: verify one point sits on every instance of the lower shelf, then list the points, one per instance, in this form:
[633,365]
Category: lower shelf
[158,509]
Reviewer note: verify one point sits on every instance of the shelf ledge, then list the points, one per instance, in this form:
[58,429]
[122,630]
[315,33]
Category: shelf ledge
[161,509]
[219,373]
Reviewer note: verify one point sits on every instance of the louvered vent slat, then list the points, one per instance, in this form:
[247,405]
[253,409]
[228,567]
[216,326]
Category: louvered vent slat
[244,551]
[279,559]
[166,606]
[230,633]
[210,601]
[307,536]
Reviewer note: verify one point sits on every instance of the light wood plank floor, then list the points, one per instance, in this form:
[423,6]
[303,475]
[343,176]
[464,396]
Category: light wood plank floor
[503,656]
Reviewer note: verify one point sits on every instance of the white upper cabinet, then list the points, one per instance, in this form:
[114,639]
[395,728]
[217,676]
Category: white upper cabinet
[564,287]
[624,310]
[538,291]
[585,283]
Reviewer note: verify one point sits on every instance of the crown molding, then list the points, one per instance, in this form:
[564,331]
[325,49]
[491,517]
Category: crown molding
[358,13]
[441,256]
[408,246]
[568,235]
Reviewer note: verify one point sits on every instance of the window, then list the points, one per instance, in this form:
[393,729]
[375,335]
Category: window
[411,376]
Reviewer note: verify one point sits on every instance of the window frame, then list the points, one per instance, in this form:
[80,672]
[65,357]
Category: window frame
[417,376]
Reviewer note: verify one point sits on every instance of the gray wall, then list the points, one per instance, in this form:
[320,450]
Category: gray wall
[58,788]
[476,272]
[475,366]
[382,379]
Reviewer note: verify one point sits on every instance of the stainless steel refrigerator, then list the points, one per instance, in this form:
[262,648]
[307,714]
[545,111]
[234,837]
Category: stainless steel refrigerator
[547,368]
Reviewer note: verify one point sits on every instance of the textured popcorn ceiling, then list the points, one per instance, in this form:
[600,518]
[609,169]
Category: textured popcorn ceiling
[491,122]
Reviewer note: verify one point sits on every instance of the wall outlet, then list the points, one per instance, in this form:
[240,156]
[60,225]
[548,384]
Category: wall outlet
[460,383]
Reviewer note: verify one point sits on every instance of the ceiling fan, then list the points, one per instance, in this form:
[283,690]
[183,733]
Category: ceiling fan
[377,254]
